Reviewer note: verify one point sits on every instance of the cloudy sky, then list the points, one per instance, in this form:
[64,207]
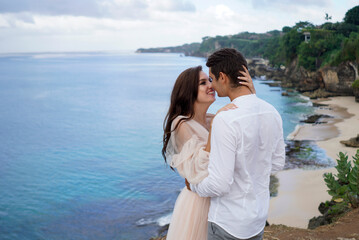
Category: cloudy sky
[105,25]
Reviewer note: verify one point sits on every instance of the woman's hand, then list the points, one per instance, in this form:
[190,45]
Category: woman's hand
[227,107]
[246,80]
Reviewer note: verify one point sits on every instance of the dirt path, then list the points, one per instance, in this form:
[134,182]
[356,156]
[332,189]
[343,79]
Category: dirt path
[346,228]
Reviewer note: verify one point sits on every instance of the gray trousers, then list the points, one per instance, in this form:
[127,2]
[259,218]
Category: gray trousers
[215,232]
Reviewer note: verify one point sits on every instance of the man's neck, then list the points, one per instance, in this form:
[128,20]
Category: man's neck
[238,92]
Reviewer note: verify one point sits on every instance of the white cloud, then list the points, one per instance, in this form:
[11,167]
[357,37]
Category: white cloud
[221,12]
[173,5]
[288,3]
[131,24]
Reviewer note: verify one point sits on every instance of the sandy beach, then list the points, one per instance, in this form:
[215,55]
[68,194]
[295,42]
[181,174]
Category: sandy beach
[301,191]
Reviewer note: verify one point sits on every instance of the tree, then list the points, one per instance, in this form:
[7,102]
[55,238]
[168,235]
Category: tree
[305,24]
[290,42]
[327,17]
[352,16]
[286,29]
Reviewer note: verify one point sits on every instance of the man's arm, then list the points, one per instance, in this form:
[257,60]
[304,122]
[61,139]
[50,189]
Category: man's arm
[221,161]
[278,156]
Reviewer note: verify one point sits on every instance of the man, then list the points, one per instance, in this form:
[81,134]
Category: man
[246,146]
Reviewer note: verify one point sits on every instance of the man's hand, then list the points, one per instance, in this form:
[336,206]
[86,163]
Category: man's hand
[187,184]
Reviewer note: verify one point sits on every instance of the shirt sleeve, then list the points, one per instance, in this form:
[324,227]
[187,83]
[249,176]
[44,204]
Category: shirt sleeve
[191,160]
[221,161]
[278,155]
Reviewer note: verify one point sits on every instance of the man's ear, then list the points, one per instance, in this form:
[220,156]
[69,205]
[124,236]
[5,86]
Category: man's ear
[223,78]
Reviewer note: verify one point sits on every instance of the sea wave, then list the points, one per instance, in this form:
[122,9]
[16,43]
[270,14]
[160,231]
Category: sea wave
[161,221]
[305,98]
[306,104]
[292,135]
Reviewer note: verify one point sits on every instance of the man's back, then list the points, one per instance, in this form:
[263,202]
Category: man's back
[246,146]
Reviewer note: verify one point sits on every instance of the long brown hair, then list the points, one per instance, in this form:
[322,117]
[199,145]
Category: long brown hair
[183,97]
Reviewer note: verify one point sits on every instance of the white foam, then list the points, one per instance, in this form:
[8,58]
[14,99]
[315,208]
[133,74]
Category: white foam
[162,221]
[143,222]
[292,135]
[304,97]
[307,104]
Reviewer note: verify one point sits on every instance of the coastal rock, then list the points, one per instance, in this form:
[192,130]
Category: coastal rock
[273,185]
[302,154]
[328,81]
[318,221]
[259,67]
[339,79]
[356,94]
[326,217]
[353,142]
[319,93]
[301,79]
[162,233]
[325,82]
[330,78]
[252,73]
[315,119]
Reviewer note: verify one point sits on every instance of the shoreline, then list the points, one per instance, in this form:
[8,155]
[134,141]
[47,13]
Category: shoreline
[301,191]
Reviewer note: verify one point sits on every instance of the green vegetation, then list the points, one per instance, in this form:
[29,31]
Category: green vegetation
[349,50]
[352,16]
[356,84]
[344,186]
[326,44]
[329,44]
[187,49]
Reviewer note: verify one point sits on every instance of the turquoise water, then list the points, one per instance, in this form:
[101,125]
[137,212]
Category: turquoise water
[81,138]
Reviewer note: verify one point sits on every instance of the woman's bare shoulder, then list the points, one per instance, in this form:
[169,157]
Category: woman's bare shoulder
[180,121]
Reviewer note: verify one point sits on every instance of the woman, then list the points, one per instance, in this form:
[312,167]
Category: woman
[187,129]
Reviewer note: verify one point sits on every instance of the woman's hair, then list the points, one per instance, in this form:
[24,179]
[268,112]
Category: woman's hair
[183,97]
[229,61]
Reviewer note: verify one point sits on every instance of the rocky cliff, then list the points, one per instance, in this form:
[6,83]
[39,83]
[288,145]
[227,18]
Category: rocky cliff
[327,81]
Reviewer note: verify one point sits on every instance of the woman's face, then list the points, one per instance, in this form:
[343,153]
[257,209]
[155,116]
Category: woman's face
[206,93]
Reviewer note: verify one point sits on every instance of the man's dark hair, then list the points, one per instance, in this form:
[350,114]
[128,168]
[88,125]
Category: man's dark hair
[229,61]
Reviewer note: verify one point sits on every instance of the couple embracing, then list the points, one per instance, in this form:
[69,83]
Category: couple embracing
[225,158]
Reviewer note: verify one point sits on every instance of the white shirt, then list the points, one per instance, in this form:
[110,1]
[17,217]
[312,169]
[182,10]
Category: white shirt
[246,146]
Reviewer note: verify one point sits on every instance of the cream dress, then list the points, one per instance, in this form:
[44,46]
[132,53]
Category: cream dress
[186,153]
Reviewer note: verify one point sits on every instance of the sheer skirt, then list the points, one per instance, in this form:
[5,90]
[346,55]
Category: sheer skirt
[189,219]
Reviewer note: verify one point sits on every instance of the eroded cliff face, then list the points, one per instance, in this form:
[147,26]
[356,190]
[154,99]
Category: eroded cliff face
[333,80]
[339,79]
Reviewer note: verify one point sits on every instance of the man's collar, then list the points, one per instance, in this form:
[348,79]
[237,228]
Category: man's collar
[243,98]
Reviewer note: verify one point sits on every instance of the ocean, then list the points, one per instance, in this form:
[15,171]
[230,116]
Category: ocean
[80,152]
